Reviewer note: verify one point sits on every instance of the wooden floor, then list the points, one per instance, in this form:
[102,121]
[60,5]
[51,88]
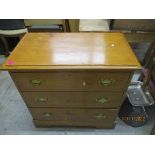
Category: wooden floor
[16,119]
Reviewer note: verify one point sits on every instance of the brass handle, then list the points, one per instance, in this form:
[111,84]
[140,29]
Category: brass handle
[99,116]
[106,82]
[48,114]
[35,82]
[102,100]
[43,99]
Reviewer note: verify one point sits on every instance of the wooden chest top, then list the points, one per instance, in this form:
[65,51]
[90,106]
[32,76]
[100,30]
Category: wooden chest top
[72,50]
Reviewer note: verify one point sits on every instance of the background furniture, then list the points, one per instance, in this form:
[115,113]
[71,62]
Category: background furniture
[93,25]
[74,25]
[76,79]
[144,25]
[152,84]
[148,75]
[67,25]
[32,22]
[136,31]
[46,28]
[45,25]
[11,28]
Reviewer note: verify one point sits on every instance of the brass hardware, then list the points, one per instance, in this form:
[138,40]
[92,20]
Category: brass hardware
[35,82]
[48,114]
[43,99]
[106,82]
[99,116]
[102,100]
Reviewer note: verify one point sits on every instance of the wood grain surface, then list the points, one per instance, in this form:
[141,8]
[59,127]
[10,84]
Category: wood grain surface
[72,49]
[73,99]
[71,81]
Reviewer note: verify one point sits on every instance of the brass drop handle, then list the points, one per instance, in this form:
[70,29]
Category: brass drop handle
[102,100]
[35,82]
[100,116]
[47,114]
[106,82]
[43,99]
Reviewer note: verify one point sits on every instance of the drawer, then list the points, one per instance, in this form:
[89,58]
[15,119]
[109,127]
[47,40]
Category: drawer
[79,115]
[45,123]
[72,99]
[71,81]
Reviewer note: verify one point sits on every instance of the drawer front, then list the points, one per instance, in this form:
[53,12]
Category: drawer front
[71,81]
[80,115]
[45,123]
[72,99]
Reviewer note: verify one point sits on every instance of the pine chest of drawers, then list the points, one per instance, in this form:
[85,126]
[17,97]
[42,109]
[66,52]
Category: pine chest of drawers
[72,79]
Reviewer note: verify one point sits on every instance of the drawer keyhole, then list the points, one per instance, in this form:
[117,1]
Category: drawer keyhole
[84,83]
